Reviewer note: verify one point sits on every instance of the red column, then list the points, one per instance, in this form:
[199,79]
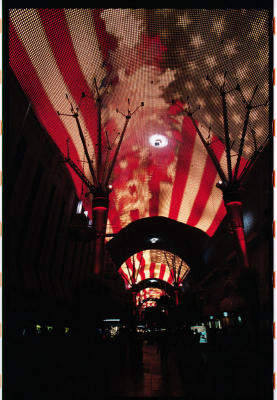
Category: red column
[100,205]
[234,211]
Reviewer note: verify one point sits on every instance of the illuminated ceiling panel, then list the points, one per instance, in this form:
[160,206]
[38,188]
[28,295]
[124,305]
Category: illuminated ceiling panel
[148,304]
[152,56]
[154,264]
[149,293]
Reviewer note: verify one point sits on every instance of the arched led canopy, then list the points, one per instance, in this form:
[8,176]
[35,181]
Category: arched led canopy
[151,56]
[153,264]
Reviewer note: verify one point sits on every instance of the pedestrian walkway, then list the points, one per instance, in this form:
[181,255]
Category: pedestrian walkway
[151,381]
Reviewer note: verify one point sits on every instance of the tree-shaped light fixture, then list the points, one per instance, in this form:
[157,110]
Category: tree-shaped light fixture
[178,270]
[230,184]
[99,185]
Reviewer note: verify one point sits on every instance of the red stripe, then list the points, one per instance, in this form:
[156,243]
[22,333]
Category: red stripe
[20,63]
[162,271]
[131,268]
[242,164]
[154,186]
[171,276]
[123,274]
[142,273]
[142,265]
[134,214]
[107,42]
[205,188]
[62,47]
[114,215]
[182,168]
[30,83]
[152,268]
[221,212]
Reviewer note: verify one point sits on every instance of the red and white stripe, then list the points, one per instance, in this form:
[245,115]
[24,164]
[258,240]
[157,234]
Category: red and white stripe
[54,52]
[143,266]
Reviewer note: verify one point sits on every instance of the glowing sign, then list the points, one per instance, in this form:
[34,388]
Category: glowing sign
[201,329]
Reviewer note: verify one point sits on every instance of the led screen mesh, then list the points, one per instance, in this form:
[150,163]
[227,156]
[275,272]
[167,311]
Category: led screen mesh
[149,293]
[148,304]
[155,264]
[150,56]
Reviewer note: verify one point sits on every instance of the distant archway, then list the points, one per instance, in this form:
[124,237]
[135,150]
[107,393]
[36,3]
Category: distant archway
[161,233]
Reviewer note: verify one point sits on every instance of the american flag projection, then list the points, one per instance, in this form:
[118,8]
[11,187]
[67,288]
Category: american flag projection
[148,304]
[149,293]
[150,56]
[154,264]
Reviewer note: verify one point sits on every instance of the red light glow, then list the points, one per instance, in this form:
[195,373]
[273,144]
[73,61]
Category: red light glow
[48,55]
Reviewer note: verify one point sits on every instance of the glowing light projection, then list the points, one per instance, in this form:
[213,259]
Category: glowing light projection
[154,264]
[149,293]
[154,240]
[158,140]
[148,304]
[162,168]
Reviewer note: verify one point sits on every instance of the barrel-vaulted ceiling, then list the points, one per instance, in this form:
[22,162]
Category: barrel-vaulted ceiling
[154,264]
[150,56]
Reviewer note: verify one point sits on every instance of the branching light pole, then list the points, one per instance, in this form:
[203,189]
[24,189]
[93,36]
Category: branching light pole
[99,185]
[230,184]
[177,272]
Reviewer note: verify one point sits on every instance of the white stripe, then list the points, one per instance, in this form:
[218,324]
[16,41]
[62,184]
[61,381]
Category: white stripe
[109,229]
[215,198]
[85,43]
[47,70]
[211,208]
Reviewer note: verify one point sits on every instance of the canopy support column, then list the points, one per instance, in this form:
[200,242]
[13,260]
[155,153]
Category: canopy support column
[100,206]
[233,206]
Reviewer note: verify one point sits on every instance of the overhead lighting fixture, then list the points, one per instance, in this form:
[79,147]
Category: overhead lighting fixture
[154,240]
[111,320]
[79,207]
[248,221]
[158,140]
